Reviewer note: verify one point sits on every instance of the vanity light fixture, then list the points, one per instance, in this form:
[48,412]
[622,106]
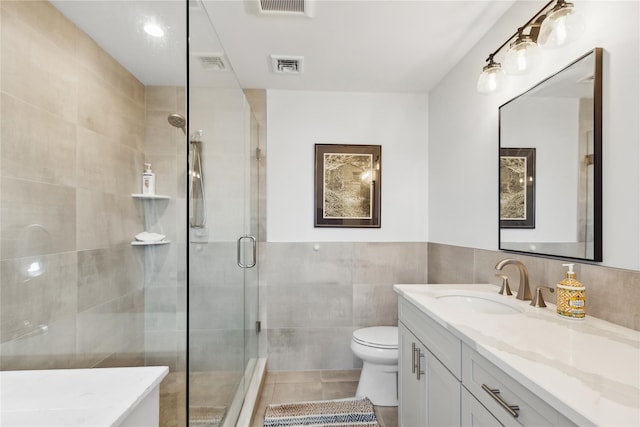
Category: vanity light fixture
[551,27]
[490,80]
[522,54]
[562,26]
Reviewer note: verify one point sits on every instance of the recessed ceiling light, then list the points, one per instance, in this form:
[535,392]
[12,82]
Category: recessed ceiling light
[153,29]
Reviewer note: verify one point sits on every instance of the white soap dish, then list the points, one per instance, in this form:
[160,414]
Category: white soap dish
[148,237]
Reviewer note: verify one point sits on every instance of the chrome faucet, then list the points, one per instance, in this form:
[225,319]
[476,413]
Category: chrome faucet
[524,292]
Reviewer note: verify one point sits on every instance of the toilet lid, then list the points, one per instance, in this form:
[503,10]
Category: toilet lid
[377,336]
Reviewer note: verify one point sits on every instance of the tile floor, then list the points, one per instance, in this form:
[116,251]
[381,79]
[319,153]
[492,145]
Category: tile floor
[298,386]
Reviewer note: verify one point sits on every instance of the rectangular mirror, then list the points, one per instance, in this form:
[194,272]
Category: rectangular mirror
[550,165]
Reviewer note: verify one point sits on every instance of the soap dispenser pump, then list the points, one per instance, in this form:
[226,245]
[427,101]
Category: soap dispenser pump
[571,296]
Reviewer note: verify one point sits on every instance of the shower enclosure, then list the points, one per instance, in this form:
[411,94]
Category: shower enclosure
[80,115]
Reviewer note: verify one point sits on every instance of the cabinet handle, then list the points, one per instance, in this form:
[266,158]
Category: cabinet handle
[413,358]
[419,370]
[493,392]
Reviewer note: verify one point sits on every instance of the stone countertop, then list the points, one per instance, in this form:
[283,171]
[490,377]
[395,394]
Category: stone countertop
[588,369]
[74,397]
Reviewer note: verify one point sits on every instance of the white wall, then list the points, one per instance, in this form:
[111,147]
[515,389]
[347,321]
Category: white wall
[296,120]
[463,132]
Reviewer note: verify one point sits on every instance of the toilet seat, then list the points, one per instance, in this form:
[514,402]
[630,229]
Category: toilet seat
[382,337]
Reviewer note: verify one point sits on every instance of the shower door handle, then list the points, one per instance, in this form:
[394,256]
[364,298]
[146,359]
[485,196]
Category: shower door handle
[253,252]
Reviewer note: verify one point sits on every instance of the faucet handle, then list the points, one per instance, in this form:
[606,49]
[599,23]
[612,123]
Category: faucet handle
[504,289]
[538,300]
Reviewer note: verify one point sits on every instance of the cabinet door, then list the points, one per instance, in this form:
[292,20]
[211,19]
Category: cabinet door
[412,391]
[443,394]
[474,414]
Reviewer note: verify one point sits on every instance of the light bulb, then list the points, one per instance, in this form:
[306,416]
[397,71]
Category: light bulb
[490,81]
[562,26]
[522,56]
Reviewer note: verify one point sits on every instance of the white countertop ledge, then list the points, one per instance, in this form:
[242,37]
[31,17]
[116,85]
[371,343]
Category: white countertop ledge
[589,369]
[74,397]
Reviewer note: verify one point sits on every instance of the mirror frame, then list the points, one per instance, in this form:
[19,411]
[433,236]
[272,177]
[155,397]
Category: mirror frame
[597,161]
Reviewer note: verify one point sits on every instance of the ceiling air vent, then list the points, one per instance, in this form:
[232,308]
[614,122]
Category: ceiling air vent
[289,7]
[212,62]
[287,64]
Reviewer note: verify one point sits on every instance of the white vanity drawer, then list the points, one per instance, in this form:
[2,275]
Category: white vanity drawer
[473,414]
[444,345]
[533,411]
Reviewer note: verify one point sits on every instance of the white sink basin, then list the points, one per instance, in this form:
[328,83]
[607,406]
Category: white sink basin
[481,302]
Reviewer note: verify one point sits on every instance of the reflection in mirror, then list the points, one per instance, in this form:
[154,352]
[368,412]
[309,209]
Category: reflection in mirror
[551,165]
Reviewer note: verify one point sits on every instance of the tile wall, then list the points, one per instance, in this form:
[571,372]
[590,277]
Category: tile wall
[313,296]
[71,152]
[165,265]
[612,294]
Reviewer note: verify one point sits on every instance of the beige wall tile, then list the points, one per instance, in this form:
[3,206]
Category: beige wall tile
[128,170]
[330,263]
[33,303]
[312,305]
[97,161]
[54,348]
[37,145]
[612,294]
[450,264]
[311,348]
[161,137]
[43,17]
[112,327]
[105,111]
[95,278]
[166,170]
[36,70]
[85,113]
[390,263]
[37,218]
[375,305]
[96,219]
[95,60]
[164,99]
[201,356]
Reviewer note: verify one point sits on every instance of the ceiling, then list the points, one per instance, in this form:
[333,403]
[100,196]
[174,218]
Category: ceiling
[357,45]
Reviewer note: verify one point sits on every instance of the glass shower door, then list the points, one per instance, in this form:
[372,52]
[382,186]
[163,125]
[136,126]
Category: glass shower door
[222,281]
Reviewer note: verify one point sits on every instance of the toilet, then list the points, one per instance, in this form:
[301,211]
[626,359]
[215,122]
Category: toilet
[378,348]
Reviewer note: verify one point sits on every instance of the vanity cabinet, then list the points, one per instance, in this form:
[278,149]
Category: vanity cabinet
[473,414]
[412,387]
[429,392]
[501,394]
[445,382]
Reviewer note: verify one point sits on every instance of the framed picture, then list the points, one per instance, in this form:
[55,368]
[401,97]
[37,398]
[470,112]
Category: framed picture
[347,185]
[517,187]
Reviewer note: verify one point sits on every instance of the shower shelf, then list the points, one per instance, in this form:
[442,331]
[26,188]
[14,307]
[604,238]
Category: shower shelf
[147,196]
[138,243]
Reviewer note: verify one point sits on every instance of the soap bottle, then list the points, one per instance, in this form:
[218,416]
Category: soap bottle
[571,297]
[148,181]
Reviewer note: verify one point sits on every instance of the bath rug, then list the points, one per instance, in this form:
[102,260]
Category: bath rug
[327,413]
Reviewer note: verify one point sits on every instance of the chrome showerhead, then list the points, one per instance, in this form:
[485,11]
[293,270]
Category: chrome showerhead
[177,121]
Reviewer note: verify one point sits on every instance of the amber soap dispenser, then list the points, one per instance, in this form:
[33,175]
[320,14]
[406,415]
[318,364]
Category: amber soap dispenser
[571,296]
